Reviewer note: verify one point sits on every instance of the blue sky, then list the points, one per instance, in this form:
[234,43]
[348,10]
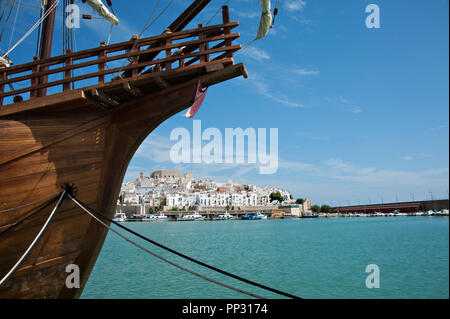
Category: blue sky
[361,113]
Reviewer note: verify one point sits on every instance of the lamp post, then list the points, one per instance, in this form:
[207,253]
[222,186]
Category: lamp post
[412,196]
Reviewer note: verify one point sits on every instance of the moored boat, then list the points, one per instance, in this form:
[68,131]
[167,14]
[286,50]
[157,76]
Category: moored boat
[136,218]
[226,216]
[155,217]
[260,216]
[191,217]
[257,216]
[120,217]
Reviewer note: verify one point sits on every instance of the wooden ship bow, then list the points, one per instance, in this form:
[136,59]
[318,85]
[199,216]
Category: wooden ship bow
[80,120]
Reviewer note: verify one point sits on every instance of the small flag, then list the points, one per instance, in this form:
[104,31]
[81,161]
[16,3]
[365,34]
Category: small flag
[198,100]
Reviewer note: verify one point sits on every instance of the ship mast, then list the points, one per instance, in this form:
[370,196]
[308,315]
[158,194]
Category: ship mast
[47,33]
[47,41]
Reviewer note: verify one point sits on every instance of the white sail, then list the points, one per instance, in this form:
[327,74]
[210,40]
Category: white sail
[266,20]
[103,10]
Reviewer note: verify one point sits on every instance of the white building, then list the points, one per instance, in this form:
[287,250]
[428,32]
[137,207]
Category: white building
[174,189]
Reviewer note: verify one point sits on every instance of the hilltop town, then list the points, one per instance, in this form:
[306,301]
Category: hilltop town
[171,190]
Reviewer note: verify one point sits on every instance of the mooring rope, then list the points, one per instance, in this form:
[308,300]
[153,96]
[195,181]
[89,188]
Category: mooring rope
[29,204]
[36,239]
[162,258]
[86,207]
[29,216]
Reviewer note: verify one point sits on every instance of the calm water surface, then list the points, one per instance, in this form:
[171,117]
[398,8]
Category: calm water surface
[312,258]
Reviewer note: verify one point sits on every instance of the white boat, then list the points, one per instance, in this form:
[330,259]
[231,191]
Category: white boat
[379,214]
[155,218]
[120,217]
[191,217]
[419,214]
[444,212]
[226,216]
[260,216]
[430,213]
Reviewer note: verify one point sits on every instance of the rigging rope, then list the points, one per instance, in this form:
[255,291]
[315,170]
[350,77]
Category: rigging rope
[220,8]
[135,43]
[33,27]
[39,36]
[151,14]
[7,19]
[185,256]
[36,239]
[146,27]
[275,12]
[162,258]
[109,34]
[4,10]
[14,24]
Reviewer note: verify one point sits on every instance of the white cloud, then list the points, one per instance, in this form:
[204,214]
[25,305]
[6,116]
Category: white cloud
[262,88]
[255,53]
[295,10]
[408,158]
[156,148]
[356,110]
[244,14]
[338,171]
[305,72]
[344,103]
[295,5]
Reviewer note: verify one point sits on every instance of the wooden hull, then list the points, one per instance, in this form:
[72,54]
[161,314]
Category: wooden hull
[71,140]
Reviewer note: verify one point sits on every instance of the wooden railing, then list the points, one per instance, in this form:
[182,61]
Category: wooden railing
[76,70]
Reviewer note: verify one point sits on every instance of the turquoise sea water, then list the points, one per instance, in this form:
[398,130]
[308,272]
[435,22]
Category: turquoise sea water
[312,258]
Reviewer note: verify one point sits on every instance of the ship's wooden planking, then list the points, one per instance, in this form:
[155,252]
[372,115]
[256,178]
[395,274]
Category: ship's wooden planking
[95,159]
